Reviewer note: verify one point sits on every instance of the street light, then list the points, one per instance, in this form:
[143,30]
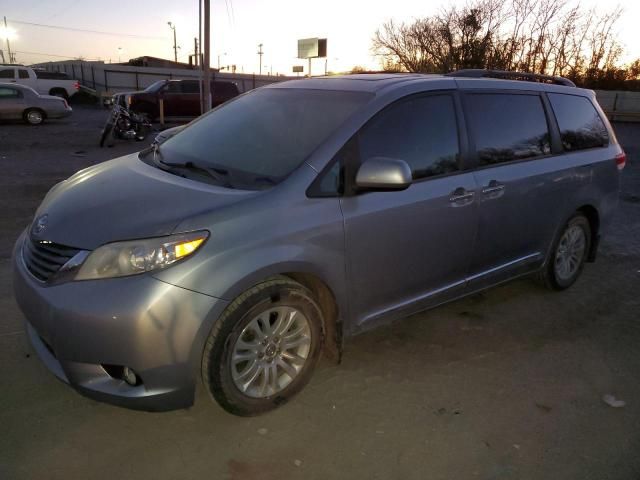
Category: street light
[119,53]
[221,55]
[175,46]
[8,34]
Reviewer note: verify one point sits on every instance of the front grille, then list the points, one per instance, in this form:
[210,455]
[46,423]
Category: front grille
[43,259]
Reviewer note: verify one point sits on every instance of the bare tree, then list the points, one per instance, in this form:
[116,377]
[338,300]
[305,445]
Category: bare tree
[540,36]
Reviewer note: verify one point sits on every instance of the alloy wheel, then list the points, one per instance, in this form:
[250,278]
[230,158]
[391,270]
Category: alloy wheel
[270,352]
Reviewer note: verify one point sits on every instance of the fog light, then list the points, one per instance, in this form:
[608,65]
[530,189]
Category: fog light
[130,376]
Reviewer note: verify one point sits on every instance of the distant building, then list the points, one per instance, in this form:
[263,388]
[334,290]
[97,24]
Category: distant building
[155,62]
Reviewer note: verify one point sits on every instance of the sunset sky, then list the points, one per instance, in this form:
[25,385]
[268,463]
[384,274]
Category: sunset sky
[238,26]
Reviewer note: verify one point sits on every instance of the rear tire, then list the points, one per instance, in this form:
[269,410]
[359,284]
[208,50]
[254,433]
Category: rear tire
[568,254]
[259,353]
[34,116]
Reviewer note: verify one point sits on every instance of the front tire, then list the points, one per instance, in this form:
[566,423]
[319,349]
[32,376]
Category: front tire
[568,255]
[264,347]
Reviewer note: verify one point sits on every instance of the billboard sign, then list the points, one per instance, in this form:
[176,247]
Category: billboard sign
[298,69]
[312,47]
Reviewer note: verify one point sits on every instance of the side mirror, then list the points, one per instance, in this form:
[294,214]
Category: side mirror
[382,173]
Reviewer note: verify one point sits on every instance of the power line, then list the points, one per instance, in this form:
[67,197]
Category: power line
[69,57]
[98,32]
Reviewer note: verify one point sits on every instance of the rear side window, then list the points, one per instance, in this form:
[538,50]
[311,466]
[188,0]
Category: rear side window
[7,73]
[23,74]
[580,125]
[508,127]
[422,131]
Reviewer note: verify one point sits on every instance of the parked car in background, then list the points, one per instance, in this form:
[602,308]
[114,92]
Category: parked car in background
[45,83]
[19,102]
[300,214]
[181,98]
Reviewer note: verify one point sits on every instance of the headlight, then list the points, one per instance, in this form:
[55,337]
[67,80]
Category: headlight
[138,256]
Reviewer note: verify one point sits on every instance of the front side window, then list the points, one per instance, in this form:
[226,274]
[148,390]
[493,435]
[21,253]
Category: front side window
[23,74]
[173,87]
[420,130]
[7,73]
[261,137]
[508,127]
[580,125]
[190,86]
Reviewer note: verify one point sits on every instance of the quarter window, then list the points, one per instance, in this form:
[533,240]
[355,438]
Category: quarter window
[580,125]
[508,127]
[422,131]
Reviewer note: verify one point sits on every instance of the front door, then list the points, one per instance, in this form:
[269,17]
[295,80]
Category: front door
[173,99]
[409,249]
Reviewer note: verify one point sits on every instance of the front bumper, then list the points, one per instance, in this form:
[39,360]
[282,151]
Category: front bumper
[155,328]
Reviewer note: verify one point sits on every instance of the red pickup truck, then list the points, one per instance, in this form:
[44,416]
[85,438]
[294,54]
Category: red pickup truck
[181,98]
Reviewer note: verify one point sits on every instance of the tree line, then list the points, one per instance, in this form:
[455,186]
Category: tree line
[552,37]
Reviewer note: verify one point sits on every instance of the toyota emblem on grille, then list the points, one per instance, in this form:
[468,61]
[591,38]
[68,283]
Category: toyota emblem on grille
[40,224]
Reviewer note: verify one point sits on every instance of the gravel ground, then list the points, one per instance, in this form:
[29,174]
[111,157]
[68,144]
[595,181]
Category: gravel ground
[504,384]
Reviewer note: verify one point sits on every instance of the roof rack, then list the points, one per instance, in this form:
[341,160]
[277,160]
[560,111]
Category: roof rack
[506,75]
[11,65]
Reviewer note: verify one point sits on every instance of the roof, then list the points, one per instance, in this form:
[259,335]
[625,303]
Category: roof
[367,82]
[372,82]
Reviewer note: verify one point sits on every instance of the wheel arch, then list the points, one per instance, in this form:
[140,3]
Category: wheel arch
[593,217]
[54,90]
[331,305]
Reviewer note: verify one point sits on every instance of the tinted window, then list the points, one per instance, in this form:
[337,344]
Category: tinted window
[263,136]
[9,93]
[173,87]
[580,125]
[508,127]
[225,89]
[7,73]
[190,86]
[23,74]
[422,131]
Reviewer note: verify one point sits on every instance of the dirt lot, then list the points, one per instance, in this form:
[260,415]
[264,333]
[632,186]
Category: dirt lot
[506,384]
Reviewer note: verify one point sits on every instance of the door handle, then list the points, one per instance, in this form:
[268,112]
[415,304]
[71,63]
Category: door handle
[461,197]
[494,187]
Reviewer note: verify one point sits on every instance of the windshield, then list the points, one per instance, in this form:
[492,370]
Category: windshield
[155,86]
[265,134]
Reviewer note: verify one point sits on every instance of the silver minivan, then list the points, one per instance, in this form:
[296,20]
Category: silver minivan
[299,214]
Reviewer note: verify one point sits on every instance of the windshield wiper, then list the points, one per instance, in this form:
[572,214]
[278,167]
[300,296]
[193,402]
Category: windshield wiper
[216,173]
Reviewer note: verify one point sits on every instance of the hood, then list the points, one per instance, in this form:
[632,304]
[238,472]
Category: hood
[125,199]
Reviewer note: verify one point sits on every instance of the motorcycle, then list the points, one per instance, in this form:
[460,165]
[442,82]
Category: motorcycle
[126,125]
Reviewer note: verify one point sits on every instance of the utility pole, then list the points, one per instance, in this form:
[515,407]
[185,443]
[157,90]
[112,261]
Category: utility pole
[195,51]
[206,48]
[175,45]
[6,30]
[260,53]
